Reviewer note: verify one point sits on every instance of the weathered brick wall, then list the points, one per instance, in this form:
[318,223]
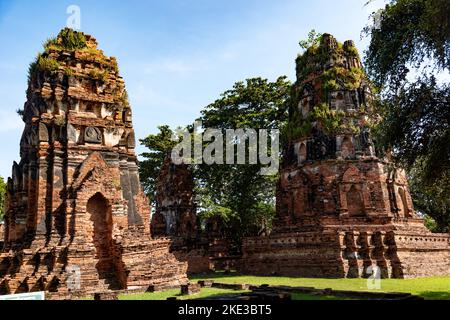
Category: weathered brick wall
[75,201]
[175,213]
[341,208]
[175,216]
[305,254]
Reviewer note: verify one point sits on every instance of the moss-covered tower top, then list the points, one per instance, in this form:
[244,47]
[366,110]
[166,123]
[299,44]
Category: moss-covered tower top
[332,101]
[77,97]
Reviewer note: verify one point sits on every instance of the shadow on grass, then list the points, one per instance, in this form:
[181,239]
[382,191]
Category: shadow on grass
[214,275]
[431,295]
[219,296]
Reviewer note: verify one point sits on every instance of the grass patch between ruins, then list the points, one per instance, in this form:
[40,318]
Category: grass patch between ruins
[429,288]
[210,293]
[163,295]
[434,288]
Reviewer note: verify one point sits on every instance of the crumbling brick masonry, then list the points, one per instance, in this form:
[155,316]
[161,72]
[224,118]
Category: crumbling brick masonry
[76,217]
[341,207]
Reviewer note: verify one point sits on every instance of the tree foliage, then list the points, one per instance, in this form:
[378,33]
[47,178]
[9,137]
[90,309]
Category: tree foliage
[431,198]
[410,45]
[248,196]
[159,145]
[407,34]
[242,198]
[313,40]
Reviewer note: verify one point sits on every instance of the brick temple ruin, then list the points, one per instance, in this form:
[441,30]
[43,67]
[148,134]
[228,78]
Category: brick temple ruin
[75,206]
[74,202]
[341,207]
[176,217]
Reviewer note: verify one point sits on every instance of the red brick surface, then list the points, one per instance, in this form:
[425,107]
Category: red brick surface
[75,200]
[341,208]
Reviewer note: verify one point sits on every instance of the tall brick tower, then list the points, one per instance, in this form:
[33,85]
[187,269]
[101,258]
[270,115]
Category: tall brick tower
[74,200]
[341,208]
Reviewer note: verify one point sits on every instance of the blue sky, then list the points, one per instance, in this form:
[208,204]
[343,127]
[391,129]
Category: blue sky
[176,56]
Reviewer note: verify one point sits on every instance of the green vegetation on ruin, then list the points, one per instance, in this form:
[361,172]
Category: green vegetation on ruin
[71,40]
[314,61]
[100,75]
[42,64]
[60,121]
[67,39]
[317,55]
[124,99]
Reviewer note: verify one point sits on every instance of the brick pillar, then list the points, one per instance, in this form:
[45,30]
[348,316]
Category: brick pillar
[125,183]
[41,191]
[58,186]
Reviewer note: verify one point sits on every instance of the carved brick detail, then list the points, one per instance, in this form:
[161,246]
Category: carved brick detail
[75,201]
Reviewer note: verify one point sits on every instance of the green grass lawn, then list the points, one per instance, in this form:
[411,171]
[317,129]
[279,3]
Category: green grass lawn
[163,295]
[437,288]
[209,293]
[429,288]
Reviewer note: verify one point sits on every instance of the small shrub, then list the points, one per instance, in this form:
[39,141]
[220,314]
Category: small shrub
[72,40]
[99,75]
[47,64]
[51,43]
[69,72]
[352,51]
[42,64]
[124,99]
[32,69]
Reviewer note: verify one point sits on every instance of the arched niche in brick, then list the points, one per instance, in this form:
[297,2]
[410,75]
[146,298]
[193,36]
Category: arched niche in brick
[353,195]
[108,261]
[347,148]
[158,225]
[295,201]
[99,212]
[94,176]
[355,202]
[302,153]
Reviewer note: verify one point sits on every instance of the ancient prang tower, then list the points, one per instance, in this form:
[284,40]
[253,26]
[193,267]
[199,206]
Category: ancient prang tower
[341,207]
[77,219]
[175,215]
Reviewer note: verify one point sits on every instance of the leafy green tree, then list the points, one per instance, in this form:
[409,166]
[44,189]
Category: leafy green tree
[2,198]
[245,196]
[238,194]
[159,146]
[313,40]
[410,45]
[431,198]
